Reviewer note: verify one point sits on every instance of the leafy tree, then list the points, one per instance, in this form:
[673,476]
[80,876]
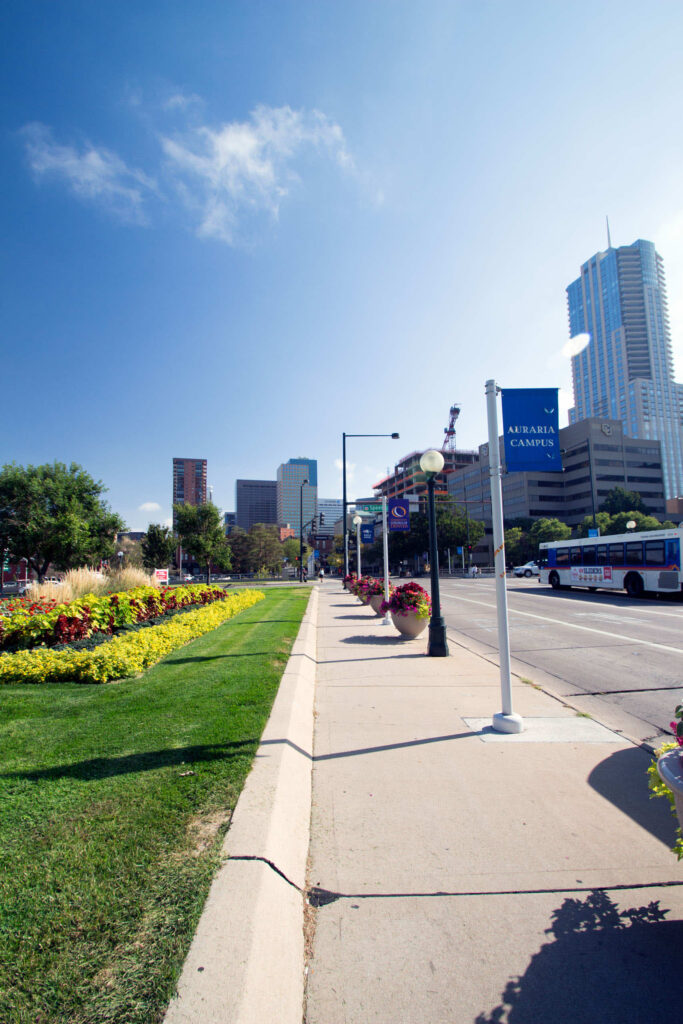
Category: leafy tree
[643,522]
[621,500]
[54,515]
[548,529]
[265,548]
[519,547]
[602,522]
[202,533]
[132,552]
[240,550]
[158,546]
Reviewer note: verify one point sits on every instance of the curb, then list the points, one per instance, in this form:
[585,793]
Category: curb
[246,961]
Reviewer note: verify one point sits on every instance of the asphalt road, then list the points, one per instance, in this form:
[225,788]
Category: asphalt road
[616,658]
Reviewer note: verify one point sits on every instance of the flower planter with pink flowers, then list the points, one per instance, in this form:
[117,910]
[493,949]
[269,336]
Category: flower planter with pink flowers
[410,608]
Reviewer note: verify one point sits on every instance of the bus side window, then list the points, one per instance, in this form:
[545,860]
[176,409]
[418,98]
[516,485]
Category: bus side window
[589,555]
[654,552]
[673,553]
[616,554]
[562,556]
[575,556]
[601,555]
[634,553]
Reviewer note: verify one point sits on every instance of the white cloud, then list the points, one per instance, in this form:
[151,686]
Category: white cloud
[181,101]
[149,506]
[248,165]
[575,345]
[91,173]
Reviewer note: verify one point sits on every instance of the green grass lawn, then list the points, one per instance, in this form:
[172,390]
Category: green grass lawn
[113,803]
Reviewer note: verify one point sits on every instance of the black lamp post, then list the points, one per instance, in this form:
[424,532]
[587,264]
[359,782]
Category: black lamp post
[346,531]
[301,530]
[431,464]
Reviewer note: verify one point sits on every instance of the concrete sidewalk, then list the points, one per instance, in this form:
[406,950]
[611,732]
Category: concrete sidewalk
[463,876]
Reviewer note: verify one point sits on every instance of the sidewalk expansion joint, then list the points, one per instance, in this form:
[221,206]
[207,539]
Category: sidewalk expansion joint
[319,897]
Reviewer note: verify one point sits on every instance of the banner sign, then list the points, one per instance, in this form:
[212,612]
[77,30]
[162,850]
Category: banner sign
[398,511]
[531,430]
[367,533]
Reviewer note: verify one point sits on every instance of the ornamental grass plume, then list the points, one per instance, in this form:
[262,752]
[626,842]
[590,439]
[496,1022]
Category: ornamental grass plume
[407,599]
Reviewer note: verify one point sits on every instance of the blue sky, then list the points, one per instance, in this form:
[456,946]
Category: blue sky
[235,230]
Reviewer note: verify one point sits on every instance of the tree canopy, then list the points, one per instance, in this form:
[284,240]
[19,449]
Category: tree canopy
[54,515]
[158,546]
[621,500]
[202,534]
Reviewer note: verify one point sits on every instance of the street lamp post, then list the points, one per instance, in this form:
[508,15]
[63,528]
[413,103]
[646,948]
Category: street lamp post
[357,520]
[344,502]
[301,530]
[431,464]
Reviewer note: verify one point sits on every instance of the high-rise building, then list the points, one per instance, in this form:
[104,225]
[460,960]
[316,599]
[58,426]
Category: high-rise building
[408,477]
[255,502]
[290,493]
[626,370]
[189,482]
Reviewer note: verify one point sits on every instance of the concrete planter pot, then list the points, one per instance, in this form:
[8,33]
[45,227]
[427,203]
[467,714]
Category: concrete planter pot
[409,625]
[670,768]
[375,602]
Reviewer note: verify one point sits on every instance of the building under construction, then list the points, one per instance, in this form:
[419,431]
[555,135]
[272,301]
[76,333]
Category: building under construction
[408,478]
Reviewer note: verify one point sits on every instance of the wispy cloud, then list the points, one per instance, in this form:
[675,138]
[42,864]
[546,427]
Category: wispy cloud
[92,173]
[248,165]
[149,506]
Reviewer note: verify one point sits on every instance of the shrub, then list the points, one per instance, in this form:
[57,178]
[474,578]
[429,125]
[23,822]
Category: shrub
[126,655]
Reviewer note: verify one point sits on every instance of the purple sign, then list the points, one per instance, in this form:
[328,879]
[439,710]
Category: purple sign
[398,514]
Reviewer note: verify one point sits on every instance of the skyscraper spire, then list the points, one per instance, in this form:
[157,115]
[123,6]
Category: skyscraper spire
[609,240]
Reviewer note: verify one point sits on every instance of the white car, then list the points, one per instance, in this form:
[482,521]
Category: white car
[528,569]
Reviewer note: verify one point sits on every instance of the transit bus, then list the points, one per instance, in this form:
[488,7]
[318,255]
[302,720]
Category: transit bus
[634,562]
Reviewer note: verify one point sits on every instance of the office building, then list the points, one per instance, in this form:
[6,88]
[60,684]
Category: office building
[229,521]
[291,494]
[189,482]
[597,456]
[626,371]
[255,502]
[331,510]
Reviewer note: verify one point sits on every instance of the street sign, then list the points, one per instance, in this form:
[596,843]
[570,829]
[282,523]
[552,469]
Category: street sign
[370,506]
[367,533]
[316,553]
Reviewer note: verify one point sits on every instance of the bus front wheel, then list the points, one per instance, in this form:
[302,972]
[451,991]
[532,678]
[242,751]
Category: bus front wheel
[633,585]
[554,581]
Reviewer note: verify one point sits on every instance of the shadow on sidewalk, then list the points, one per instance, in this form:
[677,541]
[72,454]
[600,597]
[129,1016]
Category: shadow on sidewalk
[378,641]
[621,778]
[602,965]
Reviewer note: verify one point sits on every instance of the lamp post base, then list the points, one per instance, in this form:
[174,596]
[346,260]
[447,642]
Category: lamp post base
[508,723]
[437,646]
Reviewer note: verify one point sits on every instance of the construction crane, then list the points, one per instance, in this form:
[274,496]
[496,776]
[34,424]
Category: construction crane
[449,431]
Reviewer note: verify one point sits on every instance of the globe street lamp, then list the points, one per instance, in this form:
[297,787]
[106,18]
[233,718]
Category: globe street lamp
[301,530]
[431,464]
[346,528]
[357,520]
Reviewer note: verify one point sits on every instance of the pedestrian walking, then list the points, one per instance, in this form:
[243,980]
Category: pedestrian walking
[321,574]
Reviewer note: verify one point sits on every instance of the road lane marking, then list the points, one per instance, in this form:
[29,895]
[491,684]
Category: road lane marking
[572,625]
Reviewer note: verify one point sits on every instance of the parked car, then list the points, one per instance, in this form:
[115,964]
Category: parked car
[528,569]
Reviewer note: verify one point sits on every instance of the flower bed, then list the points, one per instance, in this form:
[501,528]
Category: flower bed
[126,655]
[26,624]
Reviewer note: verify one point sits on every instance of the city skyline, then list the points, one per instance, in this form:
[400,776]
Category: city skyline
[298,220]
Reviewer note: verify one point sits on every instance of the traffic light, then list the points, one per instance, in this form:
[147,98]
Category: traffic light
[321,518]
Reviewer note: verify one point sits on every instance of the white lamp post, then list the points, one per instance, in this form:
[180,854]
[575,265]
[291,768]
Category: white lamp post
[357,520]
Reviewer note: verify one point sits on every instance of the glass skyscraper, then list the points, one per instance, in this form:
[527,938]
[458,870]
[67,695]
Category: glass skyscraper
[626,371]
[290,494]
